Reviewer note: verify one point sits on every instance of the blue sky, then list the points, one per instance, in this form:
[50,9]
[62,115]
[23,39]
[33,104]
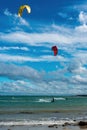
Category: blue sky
[27,63]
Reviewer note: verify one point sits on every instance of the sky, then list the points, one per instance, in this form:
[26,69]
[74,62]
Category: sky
[27,63]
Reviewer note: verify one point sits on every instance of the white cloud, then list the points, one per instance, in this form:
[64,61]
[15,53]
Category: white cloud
[17,72]
[82,28]
[83,21]
[40,82]
[15,87]
[64,15]
[23,22]
[81,7]
[17,58]
[6,12]
[14,48]
[81,56]
[76,67]
[53,34]
[80,79]
[83,17]
[34,38]
[15,19]
[56,35]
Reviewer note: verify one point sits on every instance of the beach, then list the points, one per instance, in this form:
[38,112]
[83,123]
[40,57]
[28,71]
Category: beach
[39,113]
[38,128]
[43,127]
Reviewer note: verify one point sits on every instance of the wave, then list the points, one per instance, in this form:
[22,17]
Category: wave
[35,122]
[50,99]
[60,98]
[44,100]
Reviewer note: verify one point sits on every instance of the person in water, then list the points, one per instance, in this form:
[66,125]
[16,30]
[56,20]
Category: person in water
[52,100]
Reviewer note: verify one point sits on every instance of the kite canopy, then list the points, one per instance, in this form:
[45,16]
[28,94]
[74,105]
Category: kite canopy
[22,8]
[55,50]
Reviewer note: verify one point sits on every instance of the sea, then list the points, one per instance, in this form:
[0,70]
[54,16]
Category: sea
[40,110]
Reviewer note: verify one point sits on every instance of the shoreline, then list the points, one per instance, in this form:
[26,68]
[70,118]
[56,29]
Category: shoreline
[49,123]
[66,126]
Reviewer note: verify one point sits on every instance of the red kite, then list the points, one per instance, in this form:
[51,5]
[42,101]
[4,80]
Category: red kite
[55,50]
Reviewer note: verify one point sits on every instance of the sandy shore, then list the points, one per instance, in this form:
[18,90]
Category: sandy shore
[43,127]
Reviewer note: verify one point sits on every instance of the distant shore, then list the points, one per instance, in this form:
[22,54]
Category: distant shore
[82,95]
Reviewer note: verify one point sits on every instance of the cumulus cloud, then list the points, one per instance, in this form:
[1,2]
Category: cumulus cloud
[48,82]
[77,66]
[78,73]
[16,87]
[83,21]
[82,28]
[82,57]
[16,72]
[83,17]
[80,80]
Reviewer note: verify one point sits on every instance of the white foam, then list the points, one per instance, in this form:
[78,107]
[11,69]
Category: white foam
[25,122]
[49,99]
[60,98]
[44,100]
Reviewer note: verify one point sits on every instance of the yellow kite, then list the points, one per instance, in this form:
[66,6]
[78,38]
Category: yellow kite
[22,8]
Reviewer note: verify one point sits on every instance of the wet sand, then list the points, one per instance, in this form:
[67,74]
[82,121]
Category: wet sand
[43,127]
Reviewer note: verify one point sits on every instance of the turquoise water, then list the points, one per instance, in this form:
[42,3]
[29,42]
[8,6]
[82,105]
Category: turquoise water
[42,103]
[25,110]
